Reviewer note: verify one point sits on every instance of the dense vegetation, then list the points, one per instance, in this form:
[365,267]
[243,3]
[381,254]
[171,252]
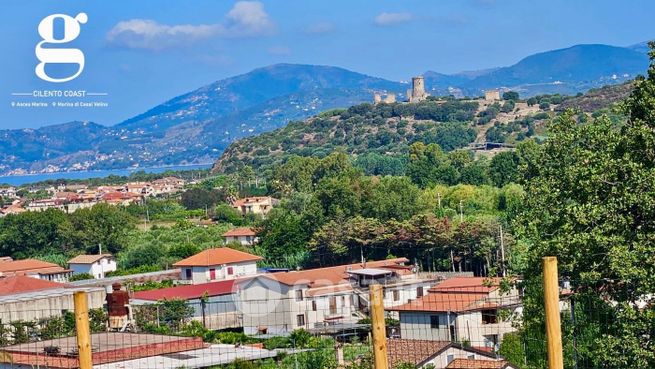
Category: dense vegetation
[590,202]
[386,129]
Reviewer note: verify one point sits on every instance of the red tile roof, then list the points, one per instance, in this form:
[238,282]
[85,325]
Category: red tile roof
[467,285]
[241,231]
[20,284]
[444,302]
[188,292]
[218,256]
[27,266]
[476,364]
[328,276]
[88,259]
[412,351]
[252,200]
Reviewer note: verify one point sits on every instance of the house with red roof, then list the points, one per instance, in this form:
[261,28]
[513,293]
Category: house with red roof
[213,303]
[245,236]
[442,354]
[217,264]
[323,297]
[35,269]
[97,265]
[258,205]
[462,309]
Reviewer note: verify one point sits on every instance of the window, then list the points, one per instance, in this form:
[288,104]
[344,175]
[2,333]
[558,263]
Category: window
[230,270]
[434,321]
[248,239]
[299,296]
[187,273]
[419,292]
[313,305]
[212,274]
[300,320]
[396,295]
[489,317]
[333,304]
[471,357]
[450,358]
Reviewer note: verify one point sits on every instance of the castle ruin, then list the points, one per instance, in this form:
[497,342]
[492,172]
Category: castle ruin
[492,95]
[389,98]
[417,92]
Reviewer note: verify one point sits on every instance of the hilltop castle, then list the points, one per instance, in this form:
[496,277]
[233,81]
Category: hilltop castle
[415,94]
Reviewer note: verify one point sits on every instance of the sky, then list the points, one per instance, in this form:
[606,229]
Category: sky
[138,54]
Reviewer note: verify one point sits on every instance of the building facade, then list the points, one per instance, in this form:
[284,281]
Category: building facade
[217,264]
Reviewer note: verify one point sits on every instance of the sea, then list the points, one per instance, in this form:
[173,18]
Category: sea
[31,178]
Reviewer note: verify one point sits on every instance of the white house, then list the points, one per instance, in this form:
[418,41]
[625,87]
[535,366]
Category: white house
[244,235]
[462,309]
[281,302]
[217,264]
[96,265]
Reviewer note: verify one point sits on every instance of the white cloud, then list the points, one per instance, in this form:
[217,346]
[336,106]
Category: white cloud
[248,18]
[319,28]
[245,19]
[390,19]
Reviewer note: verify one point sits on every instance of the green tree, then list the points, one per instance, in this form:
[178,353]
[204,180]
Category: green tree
[592,204]
[511,348]
[511,95]
[35,233]
[337,196]
[429,165]
[102,224]
[200,198]
[503,168]
[392,198]
[282,236]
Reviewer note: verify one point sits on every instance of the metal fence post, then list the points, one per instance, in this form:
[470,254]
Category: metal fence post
[378,328]
[553,324]
[82,328]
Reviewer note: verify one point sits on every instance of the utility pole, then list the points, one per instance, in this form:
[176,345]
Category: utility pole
[461,210]
[439,199]
[502,251]
[452,260]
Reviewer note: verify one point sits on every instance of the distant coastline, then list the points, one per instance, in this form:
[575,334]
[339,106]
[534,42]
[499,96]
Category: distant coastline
[18,180]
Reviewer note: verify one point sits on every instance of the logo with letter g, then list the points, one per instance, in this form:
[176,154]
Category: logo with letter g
[59,55]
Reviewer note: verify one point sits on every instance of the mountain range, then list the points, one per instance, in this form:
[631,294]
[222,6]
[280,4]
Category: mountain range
[196,127]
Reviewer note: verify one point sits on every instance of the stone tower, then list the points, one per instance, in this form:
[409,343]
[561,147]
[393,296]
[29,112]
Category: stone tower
[417,93]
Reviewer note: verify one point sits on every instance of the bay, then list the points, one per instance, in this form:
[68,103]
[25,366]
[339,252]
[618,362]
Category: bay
[19,180]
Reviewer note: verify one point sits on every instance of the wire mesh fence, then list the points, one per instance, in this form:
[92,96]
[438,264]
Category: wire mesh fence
[459,322]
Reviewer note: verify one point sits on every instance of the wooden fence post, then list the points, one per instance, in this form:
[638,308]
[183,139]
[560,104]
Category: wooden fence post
[378,328]
[553,324]
[82,329]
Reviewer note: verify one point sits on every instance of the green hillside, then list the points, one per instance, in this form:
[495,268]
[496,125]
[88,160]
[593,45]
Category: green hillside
[385,129]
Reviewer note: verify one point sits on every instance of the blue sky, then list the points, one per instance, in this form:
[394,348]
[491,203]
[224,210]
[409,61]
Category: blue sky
[144,52]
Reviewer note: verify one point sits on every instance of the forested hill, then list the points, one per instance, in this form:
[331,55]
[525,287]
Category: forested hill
[368,130]
[386,129]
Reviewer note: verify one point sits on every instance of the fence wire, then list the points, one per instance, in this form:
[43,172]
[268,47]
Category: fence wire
[437,327]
